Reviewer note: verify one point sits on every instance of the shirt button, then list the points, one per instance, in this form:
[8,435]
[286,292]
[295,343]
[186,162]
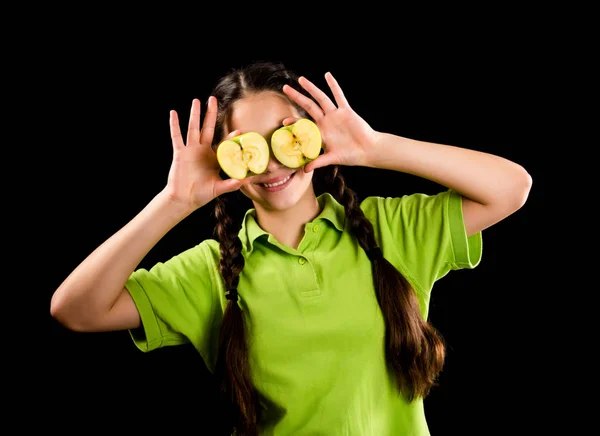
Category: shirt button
[302,261]
[316,228]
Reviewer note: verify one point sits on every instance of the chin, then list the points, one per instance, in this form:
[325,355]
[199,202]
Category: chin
[299,185]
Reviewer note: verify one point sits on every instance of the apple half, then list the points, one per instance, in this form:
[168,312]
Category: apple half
[296,144]
[243,154]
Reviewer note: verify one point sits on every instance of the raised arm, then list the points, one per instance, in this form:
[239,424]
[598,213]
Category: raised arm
[93,297]
[492,187]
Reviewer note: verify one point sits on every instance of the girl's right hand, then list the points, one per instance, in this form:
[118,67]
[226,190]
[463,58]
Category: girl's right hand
[194,178]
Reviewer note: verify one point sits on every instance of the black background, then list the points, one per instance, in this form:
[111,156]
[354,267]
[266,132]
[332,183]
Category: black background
[107,153]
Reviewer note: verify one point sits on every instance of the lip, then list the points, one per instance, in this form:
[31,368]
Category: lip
[278,188]
[274,179]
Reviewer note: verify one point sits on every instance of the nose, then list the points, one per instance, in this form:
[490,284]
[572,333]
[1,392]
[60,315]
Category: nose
[274,165]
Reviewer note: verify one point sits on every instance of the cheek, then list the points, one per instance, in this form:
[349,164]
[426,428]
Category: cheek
[306,178]
[244,190]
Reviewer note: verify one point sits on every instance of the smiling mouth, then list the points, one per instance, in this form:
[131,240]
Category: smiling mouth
[281,184]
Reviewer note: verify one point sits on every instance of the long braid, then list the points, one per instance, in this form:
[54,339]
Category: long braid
[232,367]
[415,351]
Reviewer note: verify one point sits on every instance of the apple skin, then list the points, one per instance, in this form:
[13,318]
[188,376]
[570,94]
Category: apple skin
[243,155]
[296,144]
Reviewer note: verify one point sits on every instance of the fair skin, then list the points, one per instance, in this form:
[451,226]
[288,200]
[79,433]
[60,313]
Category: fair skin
[93,297]
[282,213]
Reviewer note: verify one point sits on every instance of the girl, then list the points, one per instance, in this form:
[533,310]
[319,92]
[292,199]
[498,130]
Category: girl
[313,314]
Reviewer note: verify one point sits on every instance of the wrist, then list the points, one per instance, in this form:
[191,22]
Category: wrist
[375,151]
[171,206]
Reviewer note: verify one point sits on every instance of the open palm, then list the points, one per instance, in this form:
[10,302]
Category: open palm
[347,137]
[194,178]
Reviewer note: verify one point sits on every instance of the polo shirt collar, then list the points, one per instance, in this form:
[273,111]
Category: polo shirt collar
[331,211]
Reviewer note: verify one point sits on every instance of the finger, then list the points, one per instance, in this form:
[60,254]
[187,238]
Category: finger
[210,119]
[229,136]
[232,134]
[336,90]
[304,102]
[176,138]
[193,133]
[322,98]
[321,161]
[228,185]
[289,120]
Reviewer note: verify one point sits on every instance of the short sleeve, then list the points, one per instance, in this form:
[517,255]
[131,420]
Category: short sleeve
[178,302]
[424,234]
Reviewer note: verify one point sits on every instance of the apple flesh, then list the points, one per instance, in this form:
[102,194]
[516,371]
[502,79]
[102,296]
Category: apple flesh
[243,154]
[296,144]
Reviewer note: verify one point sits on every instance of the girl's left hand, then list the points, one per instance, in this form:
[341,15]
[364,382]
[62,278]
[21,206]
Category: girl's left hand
[347,138]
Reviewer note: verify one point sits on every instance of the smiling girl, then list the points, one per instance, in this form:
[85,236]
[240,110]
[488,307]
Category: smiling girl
[313,314]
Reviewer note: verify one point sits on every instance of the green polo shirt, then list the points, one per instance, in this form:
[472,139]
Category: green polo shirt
[316,333]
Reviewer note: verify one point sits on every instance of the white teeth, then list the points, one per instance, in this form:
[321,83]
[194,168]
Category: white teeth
[271,185]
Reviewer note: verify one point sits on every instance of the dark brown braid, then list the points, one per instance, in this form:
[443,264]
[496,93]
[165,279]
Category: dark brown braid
[415,351]
[232,366]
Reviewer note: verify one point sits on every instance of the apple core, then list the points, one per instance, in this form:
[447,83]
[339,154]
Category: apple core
[296,144]
[243,154]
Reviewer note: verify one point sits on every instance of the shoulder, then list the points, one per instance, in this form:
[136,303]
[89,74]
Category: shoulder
[196,259]
[210,247]
[207,253]
[407,207]
[417,199]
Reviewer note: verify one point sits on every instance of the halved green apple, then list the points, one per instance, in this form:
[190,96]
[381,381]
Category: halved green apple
[296,144]
[243,154]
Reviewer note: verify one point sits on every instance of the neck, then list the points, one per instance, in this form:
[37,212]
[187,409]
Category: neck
[287,226]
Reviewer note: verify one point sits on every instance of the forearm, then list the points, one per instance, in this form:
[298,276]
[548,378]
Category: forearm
[481,177]
[94,286]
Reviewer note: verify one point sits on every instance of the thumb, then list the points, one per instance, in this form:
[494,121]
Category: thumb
[228,185]
[321,161]
[289,120]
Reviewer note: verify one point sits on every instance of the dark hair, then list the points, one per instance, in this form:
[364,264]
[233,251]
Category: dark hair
[415,351]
